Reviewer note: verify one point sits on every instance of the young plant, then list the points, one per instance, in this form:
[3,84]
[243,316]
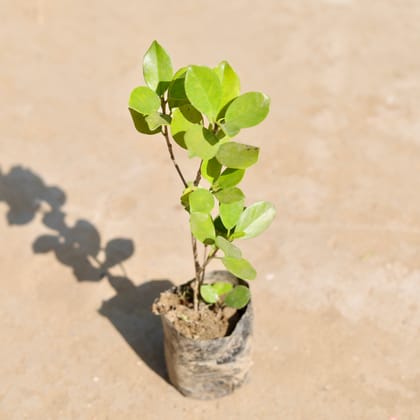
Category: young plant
[201,110]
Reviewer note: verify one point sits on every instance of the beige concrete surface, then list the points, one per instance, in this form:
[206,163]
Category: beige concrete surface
[337,298]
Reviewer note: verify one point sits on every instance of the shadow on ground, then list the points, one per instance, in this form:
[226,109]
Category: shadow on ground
[130,313]
[80,248]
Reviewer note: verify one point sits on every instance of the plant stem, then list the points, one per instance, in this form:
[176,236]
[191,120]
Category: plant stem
[199,270]
[196,283]
[203,268]
[197,267]
[206,261]
[198,176]
[171,154]
[169,144]
[209,258]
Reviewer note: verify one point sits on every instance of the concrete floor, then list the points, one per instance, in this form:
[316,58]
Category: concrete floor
[337,296]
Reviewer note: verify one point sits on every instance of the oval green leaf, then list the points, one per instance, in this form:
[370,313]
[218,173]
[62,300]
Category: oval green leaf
[230,195]
[227,247]
[210,169]
[230,213]
[157,68]
[230,82]
[222,287]
[246,110]
[208,293]
[140,123]
[237,155]
[201,201]
[204,90]
[144,100]
[240,267]
[238,298]
[220,227]
[229,178]
[230,131]
[255,219]
[202,227]
[176,91]
[183,118]
[156,120]
[201,142]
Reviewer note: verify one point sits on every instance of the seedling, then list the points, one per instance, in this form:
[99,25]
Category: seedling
[201,109]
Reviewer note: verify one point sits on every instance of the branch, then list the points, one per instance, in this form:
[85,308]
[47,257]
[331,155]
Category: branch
[209,258]
[169,144]
[171,154]
[196,283]
[198,176]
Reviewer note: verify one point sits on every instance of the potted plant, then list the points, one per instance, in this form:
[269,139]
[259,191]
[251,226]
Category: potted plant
[206,321]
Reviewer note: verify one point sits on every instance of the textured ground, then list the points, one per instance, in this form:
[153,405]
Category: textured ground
[337,298]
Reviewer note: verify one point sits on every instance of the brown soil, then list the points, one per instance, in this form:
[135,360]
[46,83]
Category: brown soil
[209,322]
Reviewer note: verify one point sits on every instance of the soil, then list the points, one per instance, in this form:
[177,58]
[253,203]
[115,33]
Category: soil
[208,322]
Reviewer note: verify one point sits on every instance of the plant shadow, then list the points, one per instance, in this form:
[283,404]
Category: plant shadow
[79,247]
[130,313]
[24,193]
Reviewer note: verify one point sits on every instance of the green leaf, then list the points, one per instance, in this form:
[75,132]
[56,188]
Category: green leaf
[230,195]
[227,247]
[237,155]
[230,213]
[204,90]
[201,142]
[229,178]
[220,227]
[238,298]
[183,118]
[176,91]
[156,120]
[157,68]
[240,267]
[201,201]
[230,131]
[202,227]
[140,123]
[210,169]
[222,287]
[230,82]
[144,100]
[245,111]
[255,219]
[237,235]
[208,293]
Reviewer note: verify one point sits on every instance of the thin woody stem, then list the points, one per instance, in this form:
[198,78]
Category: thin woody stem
[196,283]
[198,176]
[209,258]
[206,261]
[203,271]
[171,154]
[198,269]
